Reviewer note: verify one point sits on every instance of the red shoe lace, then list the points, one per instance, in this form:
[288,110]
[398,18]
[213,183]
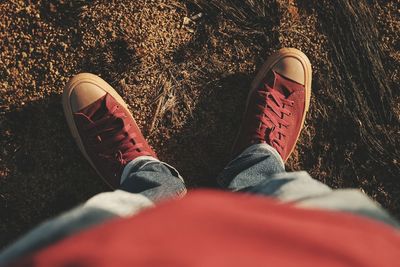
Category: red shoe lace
[272,117]
[112,138]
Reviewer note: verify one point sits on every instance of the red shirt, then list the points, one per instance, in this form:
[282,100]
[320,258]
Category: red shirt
[215,229]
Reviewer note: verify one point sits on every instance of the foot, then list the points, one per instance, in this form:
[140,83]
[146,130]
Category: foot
[102,126]
[277,103]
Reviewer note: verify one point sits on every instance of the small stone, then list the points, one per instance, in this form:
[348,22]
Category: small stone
[186,21]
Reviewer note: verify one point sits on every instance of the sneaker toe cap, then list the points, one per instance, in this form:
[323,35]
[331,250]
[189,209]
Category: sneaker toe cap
[84,94]
[291,68]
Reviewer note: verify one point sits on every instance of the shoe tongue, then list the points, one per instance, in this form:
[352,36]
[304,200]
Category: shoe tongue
[107,102]
[285,85]
[99,108]
[107,105]
[274,80]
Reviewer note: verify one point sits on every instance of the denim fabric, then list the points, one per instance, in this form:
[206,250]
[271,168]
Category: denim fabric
[260,170]
[152,178]
[251,167]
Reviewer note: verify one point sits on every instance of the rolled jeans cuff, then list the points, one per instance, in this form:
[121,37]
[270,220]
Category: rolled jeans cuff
[152,178]
[268,148]
[148,159]
[251,167]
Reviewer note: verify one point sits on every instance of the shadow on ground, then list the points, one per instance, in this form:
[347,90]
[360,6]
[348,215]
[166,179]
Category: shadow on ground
[49,175]
[202,148]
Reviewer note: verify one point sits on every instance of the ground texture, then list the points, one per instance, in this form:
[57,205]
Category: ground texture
[186,77]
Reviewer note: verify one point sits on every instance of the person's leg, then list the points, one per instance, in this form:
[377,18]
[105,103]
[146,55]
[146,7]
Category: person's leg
[259,170]
[110,139]
[251,167]
[145,181]
[274,116]
[152,178]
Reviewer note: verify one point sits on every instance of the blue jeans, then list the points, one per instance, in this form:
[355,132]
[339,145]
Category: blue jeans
[146,180]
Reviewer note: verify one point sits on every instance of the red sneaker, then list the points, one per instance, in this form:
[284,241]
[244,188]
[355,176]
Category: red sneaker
[277,103]
[102,126]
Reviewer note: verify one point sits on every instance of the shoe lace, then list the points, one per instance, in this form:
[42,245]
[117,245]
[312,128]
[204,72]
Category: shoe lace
[272,117]
[112,139]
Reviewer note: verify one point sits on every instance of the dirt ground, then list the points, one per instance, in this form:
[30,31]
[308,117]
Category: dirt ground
[184,67]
